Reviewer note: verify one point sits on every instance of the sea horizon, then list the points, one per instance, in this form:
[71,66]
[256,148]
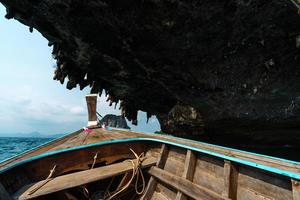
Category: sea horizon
[12,146]
[31,135]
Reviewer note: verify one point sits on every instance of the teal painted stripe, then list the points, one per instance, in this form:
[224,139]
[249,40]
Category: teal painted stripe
[225,157]
[221,147]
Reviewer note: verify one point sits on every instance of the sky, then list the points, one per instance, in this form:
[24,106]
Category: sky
[30,100]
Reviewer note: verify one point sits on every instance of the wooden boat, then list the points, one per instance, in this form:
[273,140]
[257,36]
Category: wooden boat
[173,168]
[122,164]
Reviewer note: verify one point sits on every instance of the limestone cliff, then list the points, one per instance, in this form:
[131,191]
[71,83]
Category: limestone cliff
[234,61]
[114,121]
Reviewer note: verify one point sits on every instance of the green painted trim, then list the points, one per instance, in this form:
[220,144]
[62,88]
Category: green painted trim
[221,147]
[225,157]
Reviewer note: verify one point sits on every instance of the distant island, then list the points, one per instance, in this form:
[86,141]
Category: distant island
[31,135]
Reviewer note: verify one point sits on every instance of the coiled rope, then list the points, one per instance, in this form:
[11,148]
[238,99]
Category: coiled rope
[136,172]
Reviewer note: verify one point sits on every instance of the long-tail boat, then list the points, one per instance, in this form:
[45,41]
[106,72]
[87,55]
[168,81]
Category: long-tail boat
[111,163]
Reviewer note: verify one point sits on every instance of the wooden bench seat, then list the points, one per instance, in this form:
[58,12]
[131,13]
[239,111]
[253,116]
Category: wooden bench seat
[79,178]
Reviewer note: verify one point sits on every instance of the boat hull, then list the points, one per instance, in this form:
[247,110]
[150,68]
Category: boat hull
[180,171]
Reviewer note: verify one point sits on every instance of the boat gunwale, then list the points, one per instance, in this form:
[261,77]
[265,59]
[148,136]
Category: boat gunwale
[274,170]
[217,146]
[150,133]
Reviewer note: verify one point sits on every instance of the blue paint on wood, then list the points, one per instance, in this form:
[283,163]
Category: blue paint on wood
[225,148]
[207,152]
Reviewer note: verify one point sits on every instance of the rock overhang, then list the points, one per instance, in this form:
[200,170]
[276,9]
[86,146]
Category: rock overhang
[235,62]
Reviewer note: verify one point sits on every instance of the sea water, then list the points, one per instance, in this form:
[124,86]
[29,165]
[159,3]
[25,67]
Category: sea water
[11,146]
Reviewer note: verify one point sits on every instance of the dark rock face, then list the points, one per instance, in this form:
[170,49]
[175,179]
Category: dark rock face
[182,120]
[114,121]
[235,61]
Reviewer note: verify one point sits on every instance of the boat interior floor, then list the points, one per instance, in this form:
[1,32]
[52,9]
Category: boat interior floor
[72,180]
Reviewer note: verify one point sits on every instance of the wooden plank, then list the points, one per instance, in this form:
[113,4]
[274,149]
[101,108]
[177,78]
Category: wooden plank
[125,180]
[81,178]
[296,189]
[150,189]
[265,186]
[188,173]
[175,162]
[237,154]
[4,194]
[230,180]
[185,186]
[162,156]
[159,196]
[153,182]
[248,194]
[100,135]
[209,173]
[165,190]
[189,166]
[227,181]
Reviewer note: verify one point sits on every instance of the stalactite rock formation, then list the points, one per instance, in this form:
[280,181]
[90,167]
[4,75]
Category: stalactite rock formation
[235,61]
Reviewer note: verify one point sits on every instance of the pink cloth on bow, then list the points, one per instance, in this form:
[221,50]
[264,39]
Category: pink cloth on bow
[87,130]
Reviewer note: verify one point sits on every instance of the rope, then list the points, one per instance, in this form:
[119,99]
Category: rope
[85,192]
[98,117]
[107,189]
[49,178]
[84,188]
[95,159]
[136,172]
[84,139]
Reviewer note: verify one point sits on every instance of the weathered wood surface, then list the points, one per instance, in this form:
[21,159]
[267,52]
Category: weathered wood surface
[227,178]
[296,189]
[159,196]
[79,178]
[75,139]
[230,180]
[183,185]
[211,172]
[238,154]
[258,184]
[188,173]
[71,161]
[91,101]
[208,177]
[160,163]
[162,156]
[165,190]
[80,138]
[179,174]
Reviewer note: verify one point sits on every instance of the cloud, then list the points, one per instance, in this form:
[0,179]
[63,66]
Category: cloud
[20,112]
[29,99]
[78,110]
[27,113]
